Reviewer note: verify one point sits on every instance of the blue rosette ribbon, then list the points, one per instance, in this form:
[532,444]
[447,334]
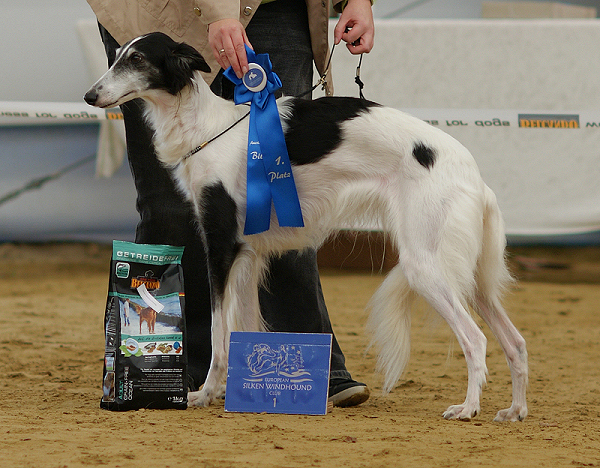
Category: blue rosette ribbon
[269,172]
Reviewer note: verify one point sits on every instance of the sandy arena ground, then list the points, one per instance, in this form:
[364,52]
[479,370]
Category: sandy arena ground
[52,301]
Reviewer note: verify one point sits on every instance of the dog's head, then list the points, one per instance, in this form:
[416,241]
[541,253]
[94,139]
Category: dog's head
[153,62]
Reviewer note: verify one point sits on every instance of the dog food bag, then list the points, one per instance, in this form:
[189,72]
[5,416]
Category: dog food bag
[145,363]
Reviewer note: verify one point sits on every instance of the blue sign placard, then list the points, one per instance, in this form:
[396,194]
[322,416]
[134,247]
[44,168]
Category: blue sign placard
[278,373]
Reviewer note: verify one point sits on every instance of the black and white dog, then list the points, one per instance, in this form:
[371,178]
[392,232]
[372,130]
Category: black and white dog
[353,161]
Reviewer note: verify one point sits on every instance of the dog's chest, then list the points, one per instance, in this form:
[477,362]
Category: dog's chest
[205,170]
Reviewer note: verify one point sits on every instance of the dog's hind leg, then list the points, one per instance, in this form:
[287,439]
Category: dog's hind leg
[219,229]
[437,253]
[492,277]
[513,345]
[446,302]
[425,279]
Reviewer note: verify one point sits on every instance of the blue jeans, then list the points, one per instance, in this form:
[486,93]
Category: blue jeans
[293,300]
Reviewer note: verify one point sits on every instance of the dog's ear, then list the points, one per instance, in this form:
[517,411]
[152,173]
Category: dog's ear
[181,62]
[190,57]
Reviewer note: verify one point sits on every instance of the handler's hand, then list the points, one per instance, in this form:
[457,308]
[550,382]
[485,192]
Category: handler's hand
[357,20]
[227,38]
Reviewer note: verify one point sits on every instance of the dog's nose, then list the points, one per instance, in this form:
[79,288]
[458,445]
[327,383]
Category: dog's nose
[91,97]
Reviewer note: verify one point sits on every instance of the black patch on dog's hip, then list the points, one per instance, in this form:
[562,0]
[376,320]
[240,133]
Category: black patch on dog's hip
[314,127]
[424,155]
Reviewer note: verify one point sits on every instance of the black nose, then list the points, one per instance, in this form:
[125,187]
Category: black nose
[91,97]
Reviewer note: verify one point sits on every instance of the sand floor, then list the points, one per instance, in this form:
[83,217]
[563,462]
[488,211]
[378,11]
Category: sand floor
[52,301]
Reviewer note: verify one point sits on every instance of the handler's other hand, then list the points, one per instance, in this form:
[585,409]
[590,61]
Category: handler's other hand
[356,27]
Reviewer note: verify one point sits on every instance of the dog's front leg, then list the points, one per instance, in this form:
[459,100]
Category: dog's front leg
[219,230]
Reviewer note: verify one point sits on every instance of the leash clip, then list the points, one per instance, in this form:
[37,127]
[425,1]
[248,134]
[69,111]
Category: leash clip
[357,79]
[323,80]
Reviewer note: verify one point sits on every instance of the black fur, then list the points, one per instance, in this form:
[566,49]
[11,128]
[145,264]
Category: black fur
[176,60]
[314,126]
[218,228]
[424,155]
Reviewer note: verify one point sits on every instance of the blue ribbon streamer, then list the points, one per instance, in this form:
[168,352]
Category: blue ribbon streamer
[269,172]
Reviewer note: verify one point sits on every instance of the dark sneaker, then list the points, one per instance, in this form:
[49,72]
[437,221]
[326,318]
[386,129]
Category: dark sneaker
[347,392]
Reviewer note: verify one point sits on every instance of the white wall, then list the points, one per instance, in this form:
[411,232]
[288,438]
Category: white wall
[427,9]
[449,9]
[41,54]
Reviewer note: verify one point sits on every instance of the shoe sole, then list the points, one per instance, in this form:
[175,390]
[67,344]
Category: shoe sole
[352,396]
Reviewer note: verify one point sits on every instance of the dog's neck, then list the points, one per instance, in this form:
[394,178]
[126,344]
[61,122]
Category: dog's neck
[184,121]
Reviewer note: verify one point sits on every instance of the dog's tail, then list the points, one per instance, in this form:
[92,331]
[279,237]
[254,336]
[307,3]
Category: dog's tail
[389,323]
[492,276]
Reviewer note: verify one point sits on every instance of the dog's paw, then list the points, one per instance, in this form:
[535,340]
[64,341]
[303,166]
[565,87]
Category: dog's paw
[220,392]
[199,398]
[514,413]
[205,396]
[461,412]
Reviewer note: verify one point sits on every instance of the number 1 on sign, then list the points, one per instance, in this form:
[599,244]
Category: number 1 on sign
[274,402]
[278,160]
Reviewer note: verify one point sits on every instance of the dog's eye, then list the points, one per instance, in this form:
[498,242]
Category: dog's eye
[135,58]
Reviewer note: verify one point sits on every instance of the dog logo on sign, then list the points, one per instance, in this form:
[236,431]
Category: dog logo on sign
[285,361]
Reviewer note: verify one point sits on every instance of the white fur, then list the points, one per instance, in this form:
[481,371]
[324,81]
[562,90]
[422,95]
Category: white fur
[444,221]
